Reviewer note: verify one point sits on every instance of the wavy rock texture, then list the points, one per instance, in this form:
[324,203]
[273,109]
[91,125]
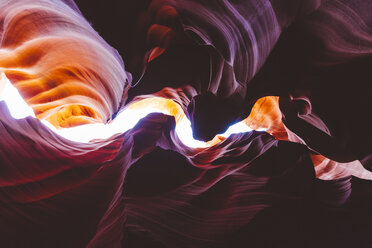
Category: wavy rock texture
[54,58]
[234,52]
[145,188]
[300,69]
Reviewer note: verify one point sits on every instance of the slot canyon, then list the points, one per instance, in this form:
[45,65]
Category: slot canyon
[185,123]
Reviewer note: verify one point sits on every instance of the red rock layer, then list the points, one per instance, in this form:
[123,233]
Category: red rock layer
[146,188]
[216,59]
[64,70]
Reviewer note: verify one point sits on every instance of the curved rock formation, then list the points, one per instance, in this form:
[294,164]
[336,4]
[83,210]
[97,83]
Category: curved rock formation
[234,52]
[54,58]
[299,69]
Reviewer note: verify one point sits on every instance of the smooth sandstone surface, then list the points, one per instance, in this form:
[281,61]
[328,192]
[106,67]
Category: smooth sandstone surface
[299,69]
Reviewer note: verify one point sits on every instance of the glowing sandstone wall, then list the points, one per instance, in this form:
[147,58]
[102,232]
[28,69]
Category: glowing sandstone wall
[64,70]
[300,184]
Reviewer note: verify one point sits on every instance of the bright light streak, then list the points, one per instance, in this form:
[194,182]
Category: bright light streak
[124,121]
[184,133]
[239,127]
[18,108]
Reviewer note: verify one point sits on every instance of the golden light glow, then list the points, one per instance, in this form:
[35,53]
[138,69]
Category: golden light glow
[265,115]
[56,63]
[125,120]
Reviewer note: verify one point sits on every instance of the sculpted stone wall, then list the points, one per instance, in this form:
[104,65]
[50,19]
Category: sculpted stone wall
[298,69]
